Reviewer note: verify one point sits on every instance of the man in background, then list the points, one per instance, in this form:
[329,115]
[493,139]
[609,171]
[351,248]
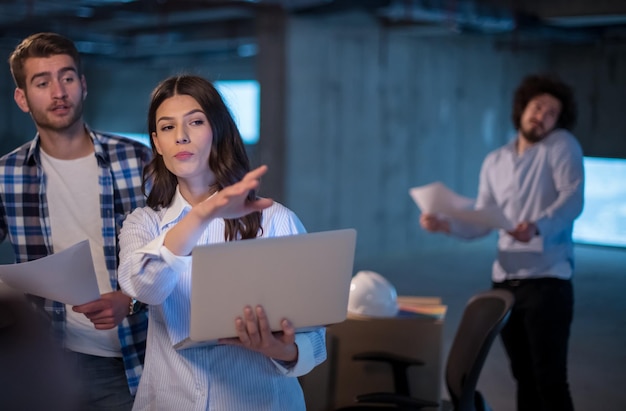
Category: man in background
[70,184]
[537,181]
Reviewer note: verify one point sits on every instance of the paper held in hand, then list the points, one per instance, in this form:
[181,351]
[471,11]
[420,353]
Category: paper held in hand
[436,198]
[67,276]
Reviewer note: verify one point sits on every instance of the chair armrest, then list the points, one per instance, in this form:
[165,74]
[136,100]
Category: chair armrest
[399,400]
[387,357]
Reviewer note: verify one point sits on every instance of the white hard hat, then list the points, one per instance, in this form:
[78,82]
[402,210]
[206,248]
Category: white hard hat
[372,295]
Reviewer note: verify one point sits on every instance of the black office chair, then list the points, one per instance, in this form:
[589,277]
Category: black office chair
[484,316]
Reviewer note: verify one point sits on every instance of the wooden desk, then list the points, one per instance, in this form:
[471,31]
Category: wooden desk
[337,381]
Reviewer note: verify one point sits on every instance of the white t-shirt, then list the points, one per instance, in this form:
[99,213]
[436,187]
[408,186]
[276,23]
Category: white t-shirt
[73,196]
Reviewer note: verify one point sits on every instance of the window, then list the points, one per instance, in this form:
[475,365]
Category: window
[603,220]
[243,99]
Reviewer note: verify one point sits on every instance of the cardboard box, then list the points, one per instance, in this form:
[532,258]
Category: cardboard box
[415,333]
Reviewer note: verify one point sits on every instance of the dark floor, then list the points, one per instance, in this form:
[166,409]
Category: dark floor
[598,343]
[597,357]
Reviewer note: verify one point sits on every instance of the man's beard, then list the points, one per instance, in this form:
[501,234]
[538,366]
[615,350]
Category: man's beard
[534,134]
[43,121]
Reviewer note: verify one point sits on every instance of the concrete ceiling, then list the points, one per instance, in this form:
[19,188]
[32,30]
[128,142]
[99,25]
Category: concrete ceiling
[149,28]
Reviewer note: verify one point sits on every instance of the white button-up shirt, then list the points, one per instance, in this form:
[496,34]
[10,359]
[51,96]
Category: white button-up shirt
[221,377]
[544,185]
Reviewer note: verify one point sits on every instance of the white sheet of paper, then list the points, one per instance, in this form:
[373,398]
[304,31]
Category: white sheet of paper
[67,276]
[437,198]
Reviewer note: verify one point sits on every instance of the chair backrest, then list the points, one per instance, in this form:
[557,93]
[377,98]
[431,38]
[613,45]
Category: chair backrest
[484,316]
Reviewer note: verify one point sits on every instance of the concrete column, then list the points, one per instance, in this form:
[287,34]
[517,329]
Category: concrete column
[270,69]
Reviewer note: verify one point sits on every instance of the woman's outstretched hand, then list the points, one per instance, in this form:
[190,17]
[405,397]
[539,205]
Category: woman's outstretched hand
[232,202]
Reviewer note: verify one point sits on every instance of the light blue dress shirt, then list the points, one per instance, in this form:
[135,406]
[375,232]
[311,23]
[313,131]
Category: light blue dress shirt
[222,377]
[543,185]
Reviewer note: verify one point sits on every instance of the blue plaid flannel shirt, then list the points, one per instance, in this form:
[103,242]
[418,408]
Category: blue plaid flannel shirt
[25,220]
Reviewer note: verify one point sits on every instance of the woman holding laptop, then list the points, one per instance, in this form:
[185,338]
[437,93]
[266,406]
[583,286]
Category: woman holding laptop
[203,192]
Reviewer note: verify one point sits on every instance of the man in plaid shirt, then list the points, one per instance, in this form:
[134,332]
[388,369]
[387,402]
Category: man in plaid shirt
[69,184]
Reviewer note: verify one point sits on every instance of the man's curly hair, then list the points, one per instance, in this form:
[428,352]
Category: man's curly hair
[537,84]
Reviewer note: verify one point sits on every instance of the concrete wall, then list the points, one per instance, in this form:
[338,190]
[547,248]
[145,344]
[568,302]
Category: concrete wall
[16,126]
[598,74]
[370,111]
[375,111]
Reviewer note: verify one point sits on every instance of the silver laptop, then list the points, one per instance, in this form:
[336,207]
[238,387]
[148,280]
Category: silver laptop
[304,278]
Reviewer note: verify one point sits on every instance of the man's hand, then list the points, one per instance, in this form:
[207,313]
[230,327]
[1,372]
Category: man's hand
[106,312]
[254,333]
[432,223]
[524,232]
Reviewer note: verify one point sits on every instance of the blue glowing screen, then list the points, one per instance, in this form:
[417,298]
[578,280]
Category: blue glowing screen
[603,220]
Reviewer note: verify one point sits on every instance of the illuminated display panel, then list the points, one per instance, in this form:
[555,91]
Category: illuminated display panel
[243,99]
[603,220]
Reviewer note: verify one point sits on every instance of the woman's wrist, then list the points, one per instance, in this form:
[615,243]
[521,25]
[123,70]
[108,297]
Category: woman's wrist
[290,356]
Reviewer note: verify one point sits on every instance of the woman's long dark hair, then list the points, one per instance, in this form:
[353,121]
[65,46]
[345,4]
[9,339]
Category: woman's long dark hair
[228,159]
